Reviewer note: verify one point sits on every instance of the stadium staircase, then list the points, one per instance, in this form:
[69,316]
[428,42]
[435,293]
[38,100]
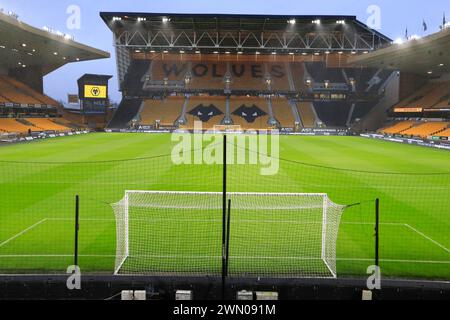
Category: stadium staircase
[128,109]
[307,114]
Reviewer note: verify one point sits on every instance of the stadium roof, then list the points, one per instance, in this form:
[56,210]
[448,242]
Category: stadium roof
[247,33]
[22,45]
[429,56]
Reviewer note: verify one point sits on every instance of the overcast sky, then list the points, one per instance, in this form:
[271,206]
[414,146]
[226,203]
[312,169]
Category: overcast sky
[396,16]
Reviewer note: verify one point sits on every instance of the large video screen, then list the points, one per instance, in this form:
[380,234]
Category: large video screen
[95,91]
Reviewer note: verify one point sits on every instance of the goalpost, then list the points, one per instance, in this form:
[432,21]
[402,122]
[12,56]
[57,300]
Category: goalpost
[271,234]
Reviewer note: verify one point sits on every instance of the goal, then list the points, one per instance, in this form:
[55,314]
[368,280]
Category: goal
[271,234]
[227,128]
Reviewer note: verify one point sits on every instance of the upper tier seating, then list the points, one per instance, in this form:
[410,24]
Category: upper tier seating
[443,95]
[14,91]
[215,75]
[169,70]
[320,73]
[444,102]
[11,94]
[134,79]
[432,95]
[208,75]
[298,76]
[279,77]
[19,86]
[361,76]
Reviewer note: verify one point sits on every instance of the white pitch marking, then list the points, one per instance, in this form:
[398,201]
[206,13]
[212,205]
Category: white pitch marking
[212,257]
[22,232]
[427,237]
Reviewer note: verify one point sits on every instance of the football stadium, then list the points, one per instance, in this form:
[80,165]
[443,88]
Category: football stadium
[292,157]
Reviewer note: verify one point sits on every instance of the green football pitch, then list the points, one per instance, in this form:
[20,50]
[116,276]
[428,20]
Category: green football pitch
[39,181]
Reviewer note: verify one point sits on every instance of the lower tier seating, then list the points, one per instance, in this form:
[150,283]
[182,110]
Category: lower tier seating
[426,129]
[397,128]
[282,111]
[165,111]
[25,125]
[307,114]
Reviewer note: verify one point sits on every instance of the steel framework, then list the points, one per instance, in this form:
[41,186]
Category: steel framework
[248,41]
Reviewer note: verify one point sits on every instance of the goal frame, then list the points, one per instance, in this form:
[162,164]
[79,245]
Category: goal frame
[324,216]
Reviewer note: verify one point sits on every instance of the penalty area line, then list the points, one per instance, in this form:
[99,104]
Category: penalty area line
[22,232]
[427,237]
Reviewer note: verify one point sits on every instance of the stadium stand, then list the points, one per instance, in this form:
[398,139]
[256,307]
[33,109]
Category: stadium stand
[208,75]
[424,130]
[16,87]
[248,76]
[444,134]
[283,112]
[397,128]
[279,77]
[362,109]
[430,95]
[127,111]
[307,114]
[361,76]
[166,111]
[250,112]
[134,78]
[47,124]
[25,125]
[210,110]
[298,72]
[431,99]
[333,114]
[321,73]
[214,75]
[444,102]
[12,94]
[379,79]
[14,126]
[168,70]
[443,96]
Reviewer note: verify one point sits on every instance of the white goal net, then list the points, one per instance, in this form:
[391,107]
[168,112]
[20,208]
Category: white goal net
[271,234]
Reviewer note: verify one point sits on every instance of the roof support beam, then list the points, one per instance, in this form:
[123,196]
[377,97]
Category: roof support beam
[247,40]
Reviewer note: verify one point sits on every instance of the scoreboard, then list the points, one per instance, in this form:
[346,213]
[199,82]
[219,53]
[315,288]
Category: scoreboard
[93,93]
[93,86]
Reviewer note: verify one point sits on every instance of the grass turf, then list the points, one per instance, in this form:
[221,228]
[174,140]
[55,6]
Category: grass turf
[38,182]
